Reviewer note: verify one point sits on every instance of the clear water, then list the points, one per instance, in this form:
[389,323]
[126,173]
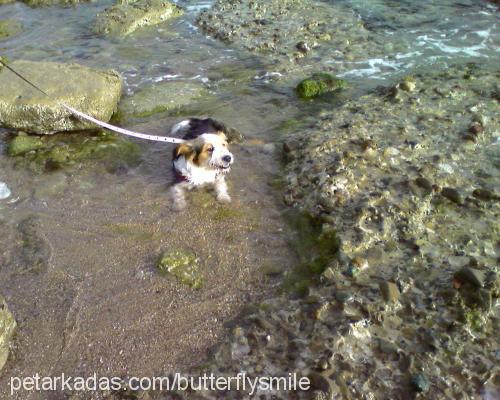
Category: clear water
[99,303]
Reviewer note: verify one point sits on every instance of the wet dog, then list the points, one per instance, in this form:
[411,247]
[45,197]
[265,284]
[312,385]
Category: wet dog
[203,160]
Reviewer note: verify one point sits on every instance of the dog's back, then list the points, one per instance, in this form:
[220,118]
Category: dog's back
[193,127]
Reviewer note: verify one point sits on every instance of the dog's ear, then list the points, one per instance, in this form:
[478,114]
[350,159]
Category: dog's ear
[184,149]
[221,134]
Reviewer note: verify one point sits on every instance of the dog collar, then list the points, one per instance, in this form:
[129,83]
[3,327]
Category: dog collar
[179,177]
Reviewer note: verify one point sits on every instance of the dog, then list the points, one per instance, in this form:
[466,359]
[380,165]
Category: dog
[203,160]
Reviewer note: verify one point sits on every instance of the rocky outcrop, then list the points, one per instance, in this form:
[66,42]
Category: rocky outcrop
[7,329]
[94,92]
[127,16]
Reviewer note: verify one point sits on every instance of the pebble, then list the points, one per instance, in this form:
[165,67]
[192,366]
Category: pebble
[344,297]
[452,195]
[303,47]
[387,347]
[424,183]
[419,383]
[390,291]
[321,381]
[471,275]
[269,148]
[4,191]
[476,128]
[484,194]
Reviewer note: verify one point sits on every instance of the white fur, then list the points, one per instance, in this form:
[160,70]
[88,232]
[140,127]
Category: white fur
[212,174]
[179,127]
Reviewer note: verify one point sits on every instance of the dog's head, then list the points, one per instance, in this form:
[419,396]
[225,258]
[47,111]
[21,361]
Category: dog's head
[209,150]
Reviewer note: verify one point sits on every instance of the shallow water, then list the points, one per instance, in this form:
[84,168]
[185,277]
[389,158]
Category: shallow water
[95,299]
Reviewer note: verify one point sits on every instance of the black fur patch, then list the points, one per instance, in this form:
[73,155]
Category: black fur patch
[199,126]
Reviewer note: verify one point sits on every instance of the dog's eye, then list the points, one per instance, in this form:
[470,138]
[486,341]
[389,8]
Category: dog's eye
[210,149]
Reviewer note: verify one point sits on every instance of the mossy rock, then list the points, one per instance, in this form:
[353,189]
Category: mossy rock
[62,150]
[23,144]
[127,16]
[94,92]
[9,28]
[318,84]
[7,329]
[183,265]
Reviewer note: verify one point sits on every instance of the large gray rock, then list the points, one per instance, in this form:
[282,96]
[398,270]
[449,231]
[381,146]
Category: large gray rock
[7,328]
[128,15]
[91,91]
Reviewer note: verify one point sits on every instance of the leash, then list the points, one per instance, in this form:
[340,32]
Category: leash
[94,120]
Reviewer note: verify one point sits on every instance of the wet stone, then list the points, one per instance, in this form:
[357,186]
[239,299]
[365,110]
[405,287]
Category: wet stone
[471,275]
[387,347]
[485,195]
[390,291]
[7,329]
[344,296]
[321,381]
[419,383]
[424,183]
[22,144]
[452,195]
[476,128]
[184,266]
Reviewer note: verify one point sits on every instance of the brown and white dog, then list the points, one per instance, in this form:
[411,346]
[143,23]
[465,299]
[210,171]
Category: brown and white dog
[203,160]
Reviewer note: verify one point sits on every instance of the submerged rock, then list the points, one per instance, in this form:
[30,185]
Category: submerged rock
[184,266]
[419,383]
[94,92]
[23,144]
[160,97]
[9,28]
[473,276]
[127,16]
[62,150]
[389,291]
[7,329]
[318,84]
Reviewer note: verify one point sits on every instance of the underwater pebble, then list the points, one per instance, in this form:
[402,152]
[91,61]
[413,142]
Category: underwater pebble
[476,128]
[452,195]
[419,383]
[471,275]
[484,194]
[389,291]
[4,191]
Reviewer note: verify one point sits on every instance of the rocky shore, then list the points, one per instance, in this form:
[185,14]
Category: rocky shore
[393,196]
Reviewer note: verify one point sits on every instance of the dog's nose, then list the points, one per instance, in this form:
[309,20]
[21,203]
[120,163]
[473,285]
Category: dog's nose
[227,159]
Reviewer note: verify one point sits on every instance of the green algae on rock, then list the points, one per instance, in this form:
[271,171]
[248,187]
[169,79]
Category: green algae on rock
[9,28]
[63,150]
[23,144]
[7,329]
[183,265]
[94,92]
[127,16]
[318,84]
[160,97]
